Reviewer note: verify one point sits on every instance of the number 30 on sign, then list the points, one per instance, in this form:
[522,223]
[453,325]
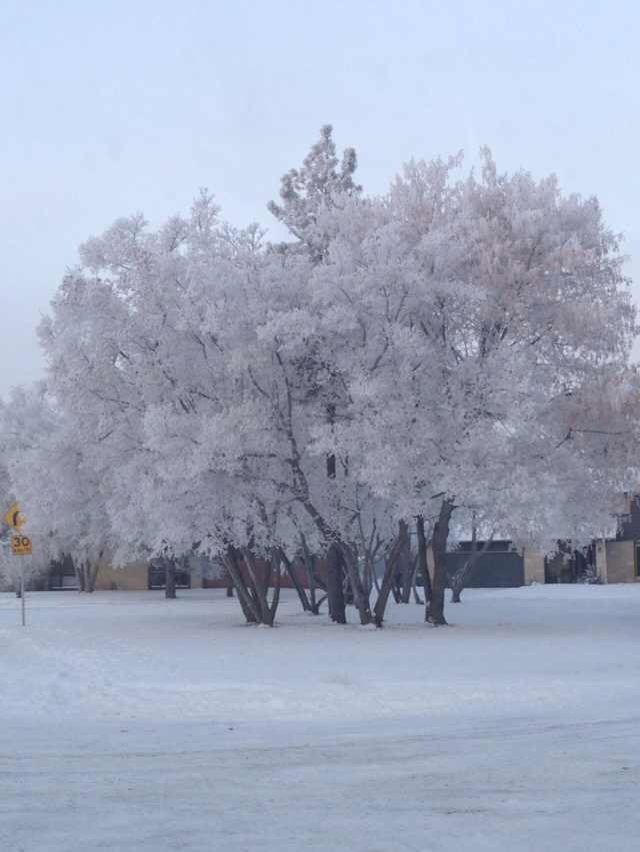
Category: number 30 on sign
[21,545]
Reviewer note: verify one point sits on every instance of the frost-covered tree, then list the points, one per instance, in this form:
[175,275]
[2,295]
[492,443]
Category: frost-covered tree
[321,182]
[473,322]
[9,565]
[443,348]
[151,340]
[189,355]
[57,486]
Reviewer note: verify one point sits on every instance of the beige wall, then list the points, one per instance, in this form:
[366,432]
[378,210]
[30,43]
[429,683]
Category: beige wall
[133,577]
[130,578]
[620,561]
[601,560]
[533,567]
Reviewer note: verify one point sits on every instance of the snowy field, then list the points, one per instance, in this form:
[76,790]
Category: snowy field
[134,723]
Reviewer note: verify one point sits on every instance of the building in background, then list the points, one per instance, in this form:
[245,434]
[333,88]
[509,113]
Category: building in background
[502,565]
[618,558]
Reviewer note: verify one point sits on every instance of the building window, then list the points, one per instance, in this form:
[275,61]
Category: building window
[158,577]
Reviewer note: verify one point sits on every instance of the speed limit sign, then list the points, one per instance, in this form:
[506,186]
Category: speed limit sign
[21,545]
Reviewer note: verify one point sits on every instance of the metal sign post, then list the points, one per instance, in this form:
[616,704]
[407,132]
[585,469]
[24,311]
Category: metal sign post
[20,546]
[23,595]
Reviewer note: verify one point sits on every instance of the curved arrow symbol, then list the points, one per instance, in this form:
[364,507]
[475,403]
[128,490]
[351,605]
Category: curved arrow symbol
[14,517]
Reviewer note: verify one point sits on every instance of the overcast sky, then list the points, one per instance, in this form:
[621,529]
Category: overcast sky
[112,108]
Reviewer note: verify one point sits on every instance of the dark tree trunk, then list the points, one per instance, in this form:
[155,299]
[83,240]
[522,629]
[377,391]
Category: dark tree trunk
[229,585]
[375,580]
[396,585]
[423,566]
[360,596]
[405,563]
[386,586]
[91,577]
[309,562]
[277,581]
[416,595]
[440,537]
[331,459]
[92,573]
[335,587]
[313,580]
[232,564]
[257,586]
[260,581]
[170,579]
[335,572]
[370,574]
[79,576]
[295,582]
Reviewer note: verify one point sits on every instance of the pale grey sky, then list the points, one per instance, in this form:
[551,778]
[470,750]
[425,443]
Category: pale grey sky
[110,108]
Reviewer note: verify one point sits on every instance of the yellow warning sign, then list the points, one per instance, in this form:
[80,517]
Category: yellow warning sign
[14,517]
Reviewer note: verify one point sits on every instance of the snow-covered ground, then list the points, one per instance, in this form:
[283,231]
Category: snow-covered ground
[133,723]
